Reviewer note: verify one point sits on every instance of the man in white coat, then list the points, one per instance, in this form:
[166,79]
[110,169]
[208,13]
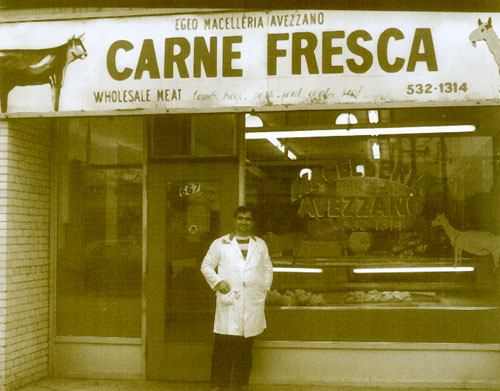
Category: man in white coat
[238,268]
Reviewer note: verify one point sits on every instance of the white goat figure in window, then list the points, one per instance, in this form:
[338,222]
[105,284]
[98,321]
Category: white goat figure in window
[474,242]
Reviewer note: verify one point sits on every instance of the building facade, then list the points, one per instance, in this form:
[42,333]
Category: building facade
[367,142]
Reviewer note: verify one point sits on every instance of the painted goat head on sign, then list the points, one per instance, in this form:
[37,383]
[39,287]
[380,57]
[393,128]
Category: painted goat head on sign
[484,32]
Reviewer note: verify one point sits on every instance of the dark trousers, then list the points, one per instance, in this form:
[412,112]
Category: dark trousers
[232,355]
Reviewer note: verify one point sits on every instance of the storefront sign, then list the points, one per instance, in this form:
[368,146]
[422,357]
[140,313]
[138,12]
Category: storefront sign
[239,60]
[380,196]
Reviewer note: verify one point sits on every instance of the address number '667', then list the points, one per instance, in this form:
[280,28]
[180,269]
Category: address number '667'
[444,88]
[189,189]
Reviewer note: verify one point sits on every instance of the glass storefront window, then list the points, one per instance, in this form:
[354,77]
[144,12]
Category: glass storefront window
[340,211]
[99,239]
[115,141]
[196,136]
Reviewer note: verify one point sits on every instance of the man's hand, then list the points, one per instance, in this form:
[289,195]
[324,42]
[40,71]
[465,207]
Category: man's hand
[223,287]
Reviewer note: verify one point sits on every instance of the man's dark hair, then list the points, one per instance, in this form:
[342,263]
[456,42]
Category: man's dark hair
[243,209]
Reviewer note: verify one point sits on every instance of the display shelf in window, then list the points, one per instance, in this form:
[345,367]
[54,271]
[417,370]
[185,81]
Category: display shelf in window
[424,281]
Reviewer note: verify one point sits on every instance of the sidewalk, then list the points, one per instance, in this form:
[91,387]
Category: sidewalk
[56,384]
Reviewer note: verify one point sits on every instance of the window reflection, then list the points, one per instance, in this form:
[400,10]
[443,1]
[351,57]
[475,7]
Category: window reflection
[99,259]
[193,222]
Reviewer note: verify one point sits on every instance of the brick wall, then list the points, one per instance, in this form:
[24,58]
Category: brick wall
[24,250]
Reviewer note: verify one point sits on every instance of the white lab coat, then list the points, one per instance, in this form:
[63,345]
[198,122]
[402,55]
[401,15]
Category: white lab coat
[241,311]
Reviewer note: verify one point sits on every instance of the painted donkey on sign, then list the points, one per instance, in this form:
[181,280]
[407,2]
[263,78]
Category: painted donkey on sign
[26,67]
[486,33]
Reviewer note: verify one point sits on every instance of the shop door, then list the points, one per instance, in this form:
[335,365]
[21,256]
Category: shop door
[189,205]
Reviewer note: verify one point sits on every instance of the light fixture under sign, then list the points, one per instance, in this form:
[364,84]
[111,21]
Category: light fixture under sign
[361,132]
[282,148]
[297,270]
[253,121]
[376,150]
[373,117]
[346,119]
[429,269]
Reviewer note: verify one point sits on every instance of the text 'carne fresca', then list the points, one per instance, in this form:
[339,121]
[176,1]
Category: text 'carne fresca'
[300,52]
